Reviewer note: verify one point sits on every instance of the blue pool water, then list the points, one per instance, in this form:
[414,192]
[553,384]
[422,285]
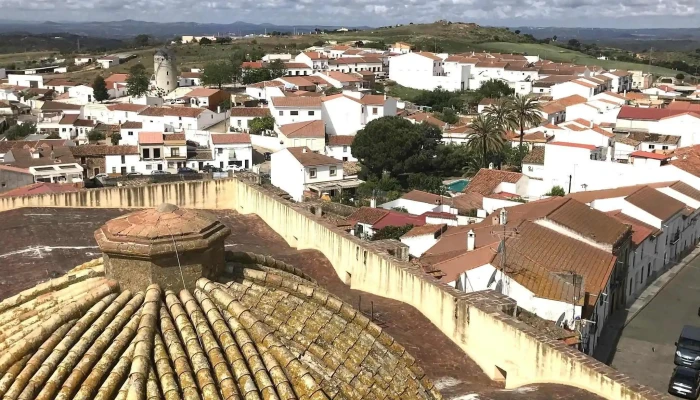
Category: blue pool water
[458,186]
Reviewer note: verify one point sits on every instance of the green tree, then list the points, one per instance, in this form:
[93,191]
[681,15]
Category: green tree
[20,131]
[258,125]
[223,40]
[137,82]
[99,88]
[395,145]
[277,69]
[494,89]
[527,114]
[235,64]
[331,90]
[680,76]
[95,136]
[251,75]
[53,135]
[391,232]
[426,183]
[204,41]
[319,43]
[217,73]
[501,111]
[487,137]
[385,188]
[556,191]
[115,138]
[448,115]
[142,40]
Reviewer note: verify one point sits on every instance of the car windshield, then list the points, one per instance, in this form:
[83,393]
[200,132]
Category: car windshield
[684,378]
[690,344]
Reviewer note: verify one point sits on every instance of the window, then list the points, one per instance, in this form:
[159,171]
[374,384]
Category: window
[374,110]
[281,113]
[133,169]
[649,270]
[239,122]
[651,147]
[114,170]
[664,147]
[219,151]
[156,153]
[294,113]
[63,129]
[148,167]
[345,149]
[146,153]
[311,113]
[179,118]
[345,158]
[123,159]
[333,171]
[175,152]
[131,133]
[641,277]
[312,172]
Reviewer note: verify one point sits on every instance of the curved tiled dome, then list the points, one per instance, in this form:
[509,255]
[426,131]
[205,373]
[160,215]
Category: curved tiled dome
[268,333]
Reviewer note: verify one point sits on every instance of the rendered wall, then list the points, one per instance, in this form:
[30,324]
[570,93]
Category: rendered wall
[475,321]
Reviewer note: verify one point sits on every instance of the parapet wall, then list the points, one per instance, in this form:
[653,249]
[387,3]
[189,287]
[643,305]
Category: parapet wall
[500,344]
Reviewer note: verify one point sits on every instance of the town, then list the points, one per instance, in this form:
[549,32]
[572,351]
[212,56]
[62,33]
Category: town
[569,193]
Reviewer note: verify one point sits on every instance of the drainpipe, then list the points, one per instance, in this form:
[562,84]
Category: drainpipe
[569,183]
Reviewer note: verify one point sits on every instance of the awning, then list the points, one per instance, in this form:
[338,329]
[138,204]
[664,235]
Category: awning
[333,185]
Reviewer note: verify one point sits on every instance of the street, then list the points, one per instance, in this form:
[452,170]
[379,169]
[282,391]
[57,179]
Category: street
[646,347]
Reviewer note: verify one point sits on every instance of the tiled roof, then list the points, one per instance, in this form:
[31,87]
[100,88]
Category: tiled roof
[174,137]
[658,204]
[47,156]
[306,102]
[307,129]
[252,64]
[628,141]
[340,140]
[264,84]
[58,106]
[60,82]
[428,229]
[269,332]
[429,55]
[296,65]
[684,105]
[200,155]
[467,201]
[102,150]
[486,180]
[127,107]
[40,188]
[640,230]
[308,158]
[150,137]
[68,119]
[7,145]
[623,191]
[396,218]
[202,92]
[355,60]
[315,55]
[189,112]
[648,114]
[578,145]
[425,197]
[647,154]
[250,111]
[535,156]
[132,125]
[552,107]
[572,100]
[342,77]
[116,78]
[367,215]
[655,138]
[688,159]
[230,138]
[190,75]
[685,189]
[532,137]
[84,122]
[427,117]
[588,222]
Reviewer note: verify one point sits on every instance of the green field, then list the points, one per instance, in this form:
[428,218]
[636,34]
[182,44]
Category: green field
[559,54]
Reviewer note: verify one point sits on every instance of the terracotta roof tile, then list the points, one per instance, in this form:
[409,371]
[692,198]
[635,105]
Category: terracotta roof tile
[535,156]
[150,137]
[230,138]
[685,189]
[647,114]
[40,188]
[188,112]
[307,129]
[425,197]
[658,204]
[647,154]
[340,140]
[428,229]
[569,144]
[102,150]
[486,180]
[367,215]
[640,230]
[250,111]
[305,102]
[132,125]
[127,107]
[308,158]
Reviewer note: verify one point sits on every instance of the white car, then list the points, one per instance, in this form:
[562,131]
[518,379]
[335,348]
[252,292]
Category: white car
[234,168]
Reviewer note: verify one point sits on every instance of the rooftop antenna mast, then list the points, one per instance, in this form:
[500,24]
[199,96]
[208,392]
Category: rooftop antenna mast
[503,235]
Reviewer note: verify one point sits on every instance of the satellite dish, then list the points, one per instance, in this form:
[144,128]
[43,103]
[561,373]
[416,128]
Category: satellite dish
[499,286]
[492,279]
[560,321]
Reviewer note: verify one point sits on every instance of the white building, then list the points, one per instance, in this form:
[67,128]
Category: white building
[427,71]
[287,110]
[83,93]
[82,60]
[277,56]
[340,147]
[298,69]
[171,119]
[579,87]
[663,90]
[296,170]
[356,64]
[315,60]
[346,113]
[232,149]
[340,80]
[31,81]
[309,134]
[190,79]
[241,116]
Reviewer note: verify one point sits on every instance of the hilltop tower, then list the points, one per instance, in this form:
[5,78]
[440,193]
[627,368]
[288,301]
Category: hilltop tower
[165,70]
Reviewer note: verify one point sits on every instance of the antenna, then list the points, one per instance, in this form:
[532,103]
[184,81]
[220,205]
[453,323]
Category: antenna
[177,255]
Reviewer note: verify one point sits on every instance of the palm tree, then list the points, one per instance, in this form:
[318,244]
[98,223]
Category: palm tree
[502,113]
[526,113]
[487,136]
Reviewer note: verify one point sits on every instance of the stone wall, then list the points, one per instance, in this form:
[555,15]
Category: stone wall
[503,346]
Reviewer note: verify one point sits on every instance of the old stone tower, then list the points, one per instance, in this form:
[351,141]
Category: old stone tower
[165,70]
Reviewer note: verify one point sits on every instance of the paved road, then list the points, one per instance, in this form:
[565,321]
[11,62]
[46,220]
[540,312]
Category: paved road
[645,350]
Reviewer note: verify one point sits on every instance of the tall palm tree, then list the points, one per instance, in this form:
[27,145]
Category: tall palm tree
[487,136]
[526,112]
[501,111]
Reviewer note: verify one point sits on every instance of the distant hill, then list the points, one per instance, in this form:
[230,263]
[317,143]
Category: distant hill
[130,28]
[22,42]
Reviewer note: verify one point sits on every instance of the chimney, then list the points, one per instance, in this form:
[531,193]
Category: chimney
[373,202]
[503,217]
[303,149]
[471,240]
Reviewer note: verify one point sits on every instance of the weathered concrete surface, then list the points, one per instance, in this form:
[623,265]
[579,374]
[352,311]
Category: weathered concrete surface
[498,343]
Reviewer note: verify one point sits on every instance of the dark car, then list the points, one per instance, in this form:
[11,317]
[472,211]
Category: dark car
[210,168]
[267,155]
[688,347]
[186,170]
[159,172]
[134,174]
[685,382]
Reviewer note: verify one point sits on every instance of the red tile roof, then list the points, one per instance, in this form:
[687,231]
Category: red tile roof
[202,92]
[40,188]
[252,65]
[308,158]
[647,114]
[127,107]
[429,229]
[647,154]
[486,180]
[307,129]
[340,140]
[102,150]
[230,138]
[190,75]
[132,125]
[250,111]
[150,137]
[188,112]
[656,203]
[569,144]
[296,65]
[302,102]
[640,230]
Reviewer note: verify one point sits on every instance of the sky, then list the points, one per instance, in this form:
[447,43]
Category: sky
[560,13]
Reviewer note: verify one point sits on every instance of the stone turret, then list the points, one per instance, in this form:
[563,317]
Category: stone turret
[165,70]
[168,246]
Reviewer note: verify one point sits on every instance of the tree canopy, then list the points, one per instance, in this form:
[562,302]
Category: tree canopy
[277,69]
[217,74]
[487,137]
[440,99]
[115,138]
[21,131]
[391,232]
[258,125]
[99,88]
[142,40]
[95,136]
[137,82]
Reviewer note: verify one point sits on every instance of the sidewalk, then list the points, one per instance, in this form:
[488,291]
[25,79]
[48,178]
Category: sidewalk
[607,342]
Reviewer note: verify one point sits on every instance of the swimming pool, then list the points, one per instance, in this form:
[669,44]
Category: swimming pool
[458,185]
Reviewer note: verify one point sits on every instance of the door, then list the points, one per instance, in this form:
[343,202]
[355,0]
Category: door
[160,167]
[246,164]
[201,165]
[123,170]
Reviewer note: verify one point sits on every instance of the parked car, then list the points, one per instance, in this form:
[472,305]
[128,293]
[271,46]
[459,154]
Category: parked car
[267,155]
[685,382]
[234,168]
[186,170]
[134,174]
[160,172]
[102,176]
[211,168]
[688,347]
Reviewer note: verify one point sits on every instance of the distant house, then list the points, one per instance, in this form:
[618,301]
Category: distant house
[366,221]
[241,116]
[400,47]
[108,159]
[232,149]
[308,134]
[190,79]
